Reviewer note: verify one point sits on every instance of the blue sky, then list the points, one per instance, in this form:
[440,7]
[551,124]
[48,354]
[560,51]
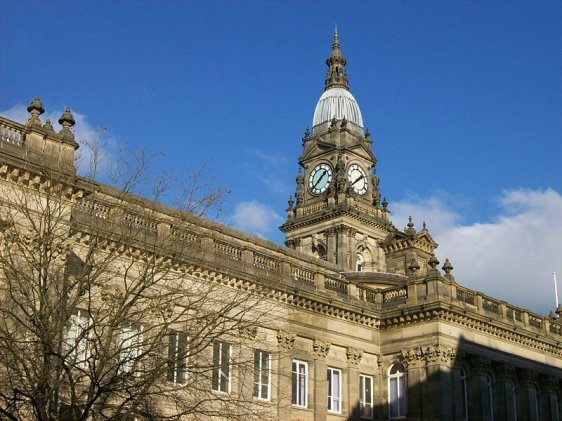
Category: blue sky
[463,98]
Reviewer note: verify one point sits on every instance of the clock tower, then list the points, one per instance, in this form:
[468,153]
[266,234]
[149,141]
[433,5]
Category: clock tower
[337,213]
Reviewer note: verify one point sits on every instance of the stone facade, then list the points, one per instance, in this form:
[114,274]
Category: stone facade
[368,325]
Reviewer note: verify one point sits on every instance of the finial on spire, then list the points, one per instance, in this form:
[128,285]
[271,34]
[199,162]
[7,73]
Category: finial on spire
[35,108]
[336,42]
[336,76]
[66,120]
[410,230]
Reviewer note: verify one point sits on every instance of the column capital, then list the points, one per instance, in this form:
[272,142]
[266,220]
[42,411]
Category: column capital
[480,365]
[354,356]
[504,371]
[413,357]
[285,339]
[429,355]
[527,377]
[441,354]
[320,349]
[548,382]
[329,232]
[341,228]
[247,331]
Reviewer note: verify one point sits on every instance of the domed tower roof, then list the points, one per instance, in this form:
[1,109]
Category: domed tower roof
[337,102]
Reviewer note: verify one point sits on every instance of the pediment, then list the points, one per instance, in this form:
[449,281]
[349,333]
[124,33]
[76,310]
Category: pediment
[317,149]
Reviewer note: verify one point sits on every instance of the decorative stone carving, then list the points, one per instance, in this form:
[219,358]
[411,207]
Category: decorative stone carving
[421,355]
[413,357]
[320,348]
[285,339]
[247,331]
[548,383]
[527,377]
[341,229]
[293,243]
[330,232]
[353,356]
[35,108]
[504,372]
[441,354]
[480,365]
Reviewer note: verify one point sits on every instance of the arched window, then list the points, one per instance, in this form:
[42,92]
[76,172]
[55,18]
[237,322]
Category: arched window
[359,262]
[321,250]
[397,392]
[490,396]
[464,394]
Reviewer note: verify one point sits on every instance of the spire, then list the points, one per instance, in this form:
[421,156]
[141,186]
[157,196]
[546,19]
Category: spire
[336,76]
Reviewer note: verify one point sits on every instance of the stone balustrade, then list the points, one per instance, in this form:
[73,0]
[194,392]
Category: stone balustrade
[315,207]
[11,133]
[307,274]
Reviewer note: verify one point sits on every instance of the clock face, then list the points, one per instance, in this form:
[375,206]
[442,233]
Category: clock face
[357,179]
[320,179]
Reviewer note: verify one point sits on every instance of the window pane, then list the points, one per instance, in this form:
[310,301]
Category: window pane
[257,368]
[336,390]
[261,374]
[172,351]
[366,397]
[393,392]
[294,385]
[182,358]
[302,384]
[77,338]
[402,395]
[329,388]
[216,366]
[368,391]
[299,383]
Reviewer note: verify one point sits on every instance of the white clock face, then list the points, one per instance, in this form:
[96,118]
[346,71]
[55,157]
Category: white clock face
[357,179]
[320,179]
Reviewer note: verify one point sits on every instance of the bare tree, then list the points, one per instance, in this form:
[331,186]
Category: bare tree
[109,309]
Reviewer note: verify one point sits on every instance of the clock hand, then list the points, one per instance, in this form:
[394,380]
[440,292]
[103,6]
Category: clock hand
[320,179]
[360,177]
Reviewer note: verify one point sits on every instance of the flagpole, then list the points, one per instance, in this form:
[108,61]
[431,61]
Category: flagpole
[555,289]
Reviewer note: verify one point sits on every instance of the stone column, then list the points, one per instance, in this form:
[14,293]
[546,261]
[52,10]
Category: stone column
[457,389]
[549,398]
[505,405]
[479,403]
[285,342]
[440,360]
[380,392]
[240,384]
[352,248]
[416,377]
[527,396]
[351,404]
[342,246]
[331,252]
[320,393]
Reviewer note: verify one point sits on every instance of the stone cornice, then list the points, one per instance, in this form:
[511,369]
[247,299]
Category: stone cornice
[473,322]
[326,215]
[407,244]
[42,179]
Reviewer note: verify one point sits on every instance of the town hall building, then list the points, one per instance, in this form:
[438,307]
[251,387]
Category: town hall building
[369,323]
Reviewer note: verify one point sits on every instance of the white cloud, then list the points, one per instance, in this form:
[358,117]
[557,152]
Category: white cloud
[255,217]
[91,140]
[273,159]
[511,258]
